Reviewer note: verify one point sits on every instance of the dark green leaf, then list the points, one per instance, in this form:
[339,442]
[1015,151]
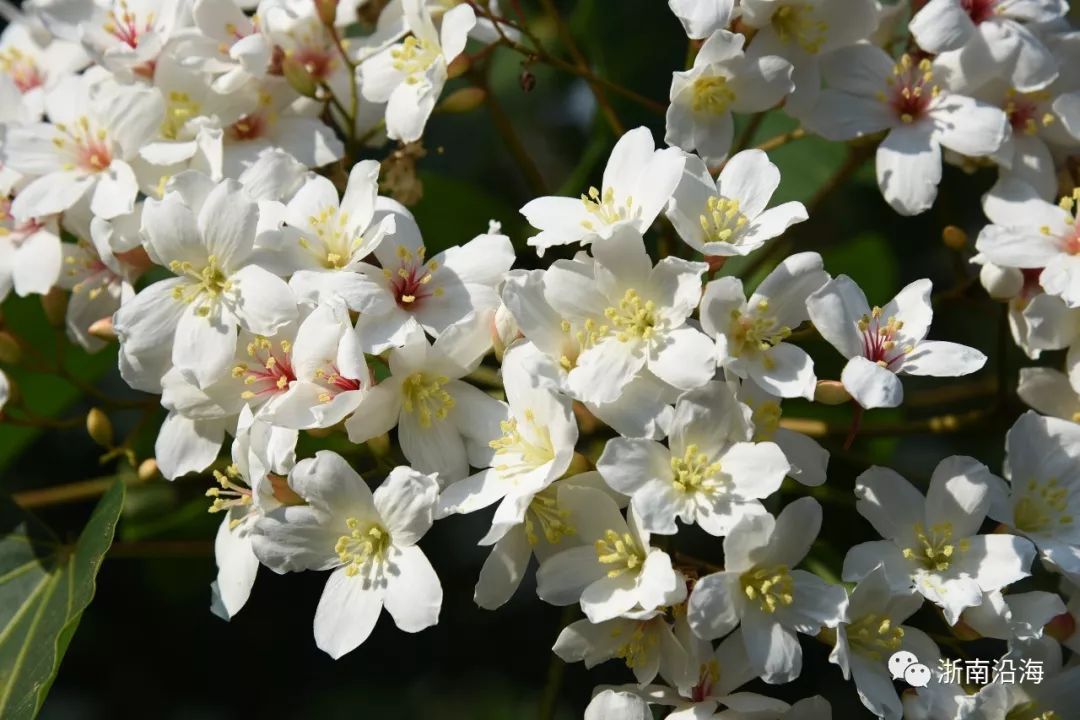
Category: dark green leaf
[44,587]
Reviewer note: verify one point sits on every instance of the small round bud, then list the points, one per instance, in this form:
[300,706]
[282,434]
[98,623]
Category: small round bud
[148,470]
[1001,283]
[954,238]
[55,303]
[10,352]
[100,428]
[327,11]
[103,329]
[831,392]
[463,100]
[458,67]
[527,81]
[299,78]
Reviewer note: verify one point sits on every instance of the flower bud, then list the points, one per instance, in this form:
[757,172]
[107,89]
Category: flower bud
[463,100]
[326,10]
[458,67]
[1062,627]
[99,427]
[148,470]
[504,330]
[282,492]
[954,238]
[527,81]
[1001,283]
[10,352]
[299,78]
[103,329]
[54,303]
[831,392]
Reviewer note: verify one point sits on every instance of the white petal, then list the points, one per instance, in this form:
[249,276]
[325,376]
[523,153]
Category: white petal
[909,168]
[413,591]
[347,612]
[871,385]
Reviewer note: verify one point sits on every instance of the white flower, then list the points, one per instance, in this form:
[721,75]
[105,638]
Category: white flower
[544,531]
[881,343]
[722,80]
[324,239]
[99,278]
[616,705]
[711,475]
[29,68]
[1040,128]
[991,38]
[31,253]
[1028,232]
[1017,616]
[409,76]
[931,543]
[529,447]
[920,115]
[759,590]
[244,498]
[638,182]
[329,373]
[643,409]
[278,123]
[416,291]
[1050,392]
[750,333]
[614,570]
[230,44]
[644,640]
[124,36]
[727,216]
[84,149]
[194,118]
[873,632]
[631,316]
[701,18]
[368,539]
[205,234]
[809,461]
[804,33]
[433,409]
[1042,500]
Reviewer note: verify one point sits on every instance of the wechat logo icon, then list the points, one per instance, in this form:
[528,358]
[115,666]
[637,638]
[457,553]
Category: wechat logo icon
[905,666]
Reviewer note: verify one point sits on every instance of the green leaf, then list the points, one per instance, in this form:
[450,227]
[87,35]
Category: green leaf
[44,587]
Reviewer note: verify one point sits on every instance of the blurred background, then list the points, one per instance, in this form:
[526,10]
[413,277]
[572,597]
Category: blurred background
[148,645]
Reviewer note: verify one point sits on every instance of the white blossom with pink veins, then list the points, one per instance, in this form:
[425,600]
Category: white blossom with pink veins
[884,342]
[92,135]
[868,93]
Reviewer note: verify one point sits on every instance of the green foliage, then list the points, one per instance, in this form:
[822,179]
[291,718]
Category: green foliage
[44,587]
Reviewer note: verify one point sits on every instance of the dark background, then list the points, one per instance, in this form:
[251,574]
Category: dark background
[148,646]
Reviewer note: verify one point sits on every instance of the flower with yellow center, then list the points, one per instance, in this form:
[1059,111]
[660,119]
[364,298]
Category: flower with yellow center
[932,542]
[614,570]
[759,590]
[710,475]
[368,539]
[1044,487]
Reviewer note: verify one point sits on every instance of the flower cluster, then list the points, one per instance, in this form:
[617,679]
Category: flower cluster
[189,172]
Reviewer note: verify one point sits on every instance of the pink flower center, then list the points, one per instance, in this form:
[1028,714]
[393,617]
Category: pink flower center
[411,283]
[319,62]
[22,70]
[249,127]
[125,27]
[911,89]
[270,370]
[979,10]
[880,339]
